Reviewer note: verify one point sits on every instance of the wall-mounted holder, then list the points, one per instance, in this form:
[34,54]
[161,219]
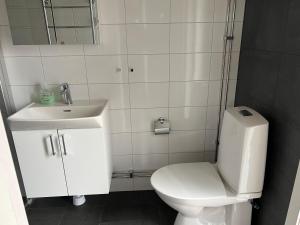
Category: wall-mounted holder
[161,126]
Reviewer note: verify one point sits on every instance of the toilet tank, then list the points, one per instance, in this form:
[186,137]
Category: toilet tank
[243,149]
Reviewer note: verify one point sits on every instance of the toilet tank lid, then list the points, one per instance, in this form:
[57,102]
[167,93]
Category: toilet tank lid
[247,116]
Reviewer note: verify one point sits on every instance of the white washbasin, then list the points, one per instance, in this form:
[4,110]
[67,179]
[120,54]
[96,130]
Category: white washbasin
[59,116]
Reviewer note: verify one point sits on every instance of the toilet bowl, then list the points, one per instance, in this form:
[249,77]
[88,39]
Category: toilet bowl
[196,191]
[219,194]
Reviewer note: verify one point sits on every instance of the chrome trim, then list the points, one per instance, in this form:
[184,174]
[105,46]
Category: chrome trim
[46,21]
[64,144]
[92,21]
[52,145]
[132,174]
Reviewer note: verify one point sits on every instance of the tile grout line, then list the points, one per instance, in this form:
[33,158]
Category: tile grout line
[129,89]
[208,94]
[86,75]
[170,18]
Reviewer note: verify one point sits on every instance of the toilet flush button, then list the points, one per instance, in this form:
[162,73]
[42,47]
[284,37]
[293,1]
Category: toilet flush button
[245,112]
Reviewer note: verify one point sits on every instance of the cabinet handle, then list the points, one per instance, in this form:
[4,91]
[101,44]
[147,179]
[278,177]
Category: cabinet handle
[52,145]
[64,144]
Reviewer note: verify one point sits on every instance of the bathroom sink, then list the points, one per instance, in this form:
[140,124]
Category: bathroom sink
[81,114]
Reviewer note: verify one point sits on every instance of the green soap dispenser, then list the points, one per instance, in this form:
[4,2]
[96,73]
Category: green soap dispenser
[46,96]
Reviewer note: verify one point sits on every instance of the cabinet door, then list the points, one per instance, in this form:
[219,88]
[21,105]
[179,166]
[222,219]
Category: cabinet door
[40,163]
[86,161]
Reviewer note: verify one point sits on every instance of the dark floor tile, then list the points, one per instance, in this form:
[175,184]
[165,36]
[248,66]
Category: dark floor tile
[128,222]
[122,213]
[51,202]
[97,200]
[167,215]
[45,216]
[82,215]
[121,208]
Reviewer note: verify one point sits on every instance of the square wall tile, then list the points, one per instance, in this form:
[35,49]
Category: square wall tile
[121,184]
[191,37]
[214,93]
[142,183]
[188,118]
[148,142]
[188,67]
[231,92]
[216,66]
[235,58]
[186,157]
[117,94]
[220,10]
[149,95]
[188,93]
[210,157]
[211,140]
[187,141]
[112,11]
[62,69]
[120,121]
[192,10]
[142,119]
[112,41]
[107,69]
[218,37]
[61,50]
[23,95]
[212,117]
[148,38]
[121,144]
[24,70]
[79,92]
[149,162]
[148,68]
[122,162]
[144,11]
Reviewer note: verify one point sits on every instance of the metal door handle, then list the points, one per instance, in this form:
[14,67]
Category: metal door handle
[52,145]
[64,144]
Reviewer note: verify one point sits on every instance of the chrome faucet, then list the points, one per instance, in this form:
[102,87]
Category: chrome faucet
[66,93]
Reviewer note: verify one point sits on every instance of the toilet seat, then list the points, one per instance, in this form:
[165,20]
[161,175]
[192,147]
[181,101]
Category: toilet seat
[194,183]
[189,181]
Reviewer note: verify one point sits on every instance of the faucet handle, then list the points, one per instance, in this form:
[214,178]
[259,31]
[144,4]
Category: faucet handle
[64,86]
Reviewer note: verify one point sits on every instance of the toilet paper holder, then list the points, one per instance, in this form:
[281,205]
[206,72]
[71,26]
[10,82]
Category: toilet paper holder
[161,126]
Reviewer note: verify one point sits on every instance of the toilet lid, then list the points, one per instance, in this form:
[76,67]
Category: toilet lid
[189,181]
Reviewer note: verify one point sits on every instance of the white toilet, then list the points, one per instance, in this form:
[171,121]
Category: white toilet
[219,194]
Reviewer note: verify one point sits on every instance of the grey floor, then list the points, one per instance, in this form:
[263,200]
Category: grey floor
[120,208]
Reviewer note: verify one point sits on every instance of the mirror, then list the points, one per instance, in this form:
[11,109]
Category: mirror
[50,22]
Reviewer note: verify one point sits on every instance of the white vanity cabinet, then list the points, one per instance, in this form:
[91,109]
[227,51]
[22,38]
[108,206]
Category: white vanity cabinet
[64,162]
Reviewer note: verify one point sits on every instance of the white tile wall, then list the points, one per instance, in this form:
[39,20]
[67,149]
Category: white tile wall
[188,93]
[24,70]
[149,68]
[189,67]
[155,58]
[144,11]
[191,37]
[192,10]
[107,69]
[148,38]
[62,69]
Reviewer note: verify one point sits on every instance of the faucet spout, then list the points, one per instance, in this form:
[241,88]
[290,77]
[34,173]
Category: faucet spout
[66,93]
